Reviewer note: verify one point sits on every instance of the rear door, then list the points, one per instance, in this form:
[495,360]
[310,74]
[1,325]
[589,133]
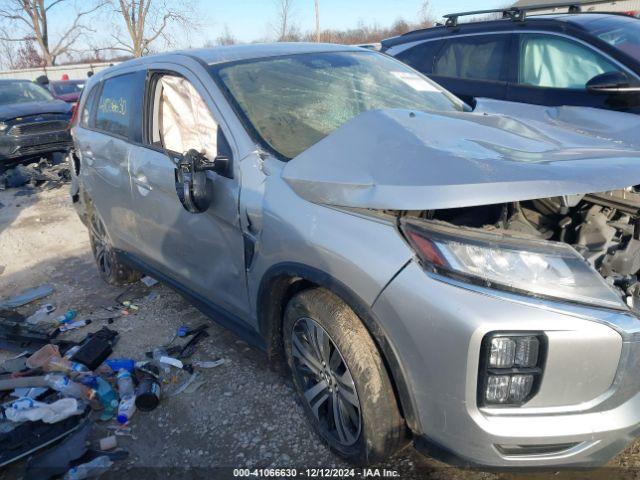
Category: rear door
[553,70]
[473,66]
[108,125]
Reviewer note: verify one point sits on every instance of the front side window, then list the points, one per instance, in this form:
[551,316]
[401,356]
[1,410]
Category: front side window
[556,62]
[294,101]
[22,92]
[475,57]
[181,118]
[115,105]
[85,115]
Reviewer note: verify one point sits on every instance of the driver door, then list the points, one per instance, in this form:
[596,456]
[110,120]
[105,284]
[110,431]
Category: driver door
[201,251]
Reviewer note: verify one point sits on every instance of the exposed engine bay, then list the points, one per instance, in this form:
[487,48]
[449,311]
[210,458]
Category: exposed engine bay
[604,228]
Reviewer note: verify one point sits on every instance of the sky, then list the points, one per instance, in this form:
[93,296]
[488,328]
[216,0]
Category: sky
[253,19]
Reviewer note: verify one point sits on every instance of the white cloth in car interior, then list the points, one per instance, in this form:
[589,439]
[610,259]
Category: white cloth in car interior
[559,63]
[185,119]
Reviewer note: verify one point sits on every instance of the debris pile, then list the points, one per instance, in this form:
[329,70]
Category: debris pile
[54,390]
[46,173]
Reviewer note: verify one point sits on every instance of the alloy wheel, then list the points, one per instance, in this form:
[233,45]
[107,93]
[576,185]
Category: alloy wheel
[100,245]
[328,386]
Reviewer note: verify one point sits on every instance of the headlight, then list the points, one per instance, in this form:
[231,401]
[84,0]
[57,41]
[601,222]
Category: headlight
[3,127]
[511,366]
[534,267]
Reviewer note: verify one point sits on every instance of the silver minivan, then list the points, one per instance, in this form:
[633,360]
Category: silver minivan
[459,279]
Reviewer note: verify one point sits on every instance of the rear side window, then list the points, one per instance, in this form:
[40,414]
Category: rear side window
[116,105]
[555,62]
[422,56]
[474,57]
[85,115]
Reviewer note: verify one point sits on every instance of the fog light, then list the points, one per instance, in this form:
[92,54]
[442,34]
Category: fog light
[527,351]
[497,389]
[503,352]
[520,387]
[511,367]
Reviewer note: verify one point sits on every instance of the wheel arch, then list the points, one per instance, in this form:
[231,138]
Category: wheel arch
[282,281]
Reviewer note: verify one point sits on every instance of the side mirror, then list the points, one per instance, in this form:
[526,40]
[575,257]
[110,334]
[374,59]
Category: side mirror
[610,82]
[191,180]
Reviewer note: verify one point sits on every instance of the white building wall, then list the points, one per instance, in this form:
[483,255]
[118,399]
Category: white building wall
[75,72]
[620,6]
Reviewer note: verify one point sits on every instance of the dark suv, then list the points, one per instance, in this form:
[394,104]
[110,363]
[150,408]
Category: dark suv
[583,59]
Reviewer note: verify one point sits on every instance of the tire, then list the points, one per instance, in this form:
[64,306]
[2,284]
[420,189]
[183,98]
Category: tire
[110,268]
[349,399]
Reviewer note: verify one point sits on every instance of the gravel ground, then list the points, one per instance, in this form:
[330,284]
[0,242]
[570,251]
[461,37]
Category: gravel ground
[241,415]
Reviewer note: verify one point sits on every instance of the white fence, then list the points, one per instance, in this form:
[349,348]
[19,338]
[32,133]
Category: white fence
[75,72]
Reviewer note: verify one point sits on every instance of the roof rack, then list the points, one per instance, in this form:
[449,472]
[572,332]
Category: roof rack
[520,13]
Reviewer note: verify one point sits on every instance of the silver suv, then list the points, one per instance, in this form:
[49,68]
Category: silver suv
[429,273]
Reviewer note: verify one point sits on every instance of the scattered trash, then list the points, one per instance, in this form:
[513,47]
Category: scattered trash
[92,469]
[67,316]
[41,315]
[118,364]
[56,461]
[26,408]
[74,325]
[43,356]
[185,385]
[44,174]
[193,386]
[211,364]
[174,362]
[27,296]
[149,281]
[95,349]
[126,408]
[108,443]
[148,394]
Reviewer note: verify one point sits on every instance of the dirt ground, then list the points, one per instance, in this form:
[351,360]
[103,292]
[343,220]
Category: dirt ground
[242,414]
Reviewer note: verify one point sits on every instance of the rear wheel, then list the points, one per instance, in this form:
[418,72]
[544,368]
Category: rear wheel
[340,377]
[111,269]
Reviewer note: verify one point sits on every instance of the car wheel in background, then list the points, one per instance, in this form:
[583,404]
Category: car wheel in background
[340,377]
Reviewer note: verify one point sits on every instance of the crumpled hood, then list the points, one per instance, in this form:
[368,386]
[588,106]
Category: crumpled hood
[8,112]
[404,160]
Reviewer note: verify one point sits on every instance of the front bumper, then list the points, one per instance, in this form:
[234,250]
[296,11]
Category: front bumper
[24,146]
[588,405]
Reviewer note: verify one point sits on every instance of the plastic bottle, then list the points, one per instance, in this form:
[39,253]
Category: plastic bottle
[57,364]
[41,315]
[126,409]
[73,325]
[92,469]
[108,398]
[64,385]
[125,383]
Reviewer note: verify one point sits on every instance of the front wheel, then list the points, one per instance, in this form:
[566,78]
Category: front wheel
[340,377]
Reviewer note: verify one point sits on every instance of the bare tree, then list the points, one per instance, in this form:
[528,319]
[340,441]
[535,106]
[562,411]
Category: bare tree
[317,12]
[226,38]
[149,20]
[8,52]
[29,20]
[284,28]
[425,15]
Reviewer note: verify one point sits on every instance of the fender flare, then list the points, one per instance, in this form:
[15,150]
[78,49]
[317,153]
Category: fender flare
[281,281]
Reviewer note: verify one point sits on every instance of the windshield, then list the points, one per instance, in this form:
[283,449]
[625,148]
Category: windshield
[294,101]
[623,33]
[22,92]
[65,88]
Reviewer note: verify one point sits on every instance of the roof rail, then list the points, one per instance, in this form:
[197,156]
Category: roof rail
[520,13]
